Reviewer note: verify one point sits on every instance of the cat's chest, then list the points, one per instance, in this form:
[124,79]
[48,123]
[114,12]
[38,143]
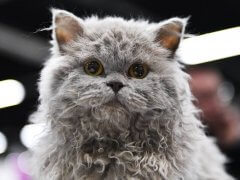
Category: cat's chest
[124,165]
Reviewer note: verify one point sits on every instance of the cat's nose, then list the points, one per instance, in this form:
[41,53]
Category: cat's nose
[115,85]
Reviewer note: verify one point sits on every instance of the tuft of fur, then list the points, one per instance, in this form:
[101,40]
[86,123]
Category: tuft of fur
[151,132]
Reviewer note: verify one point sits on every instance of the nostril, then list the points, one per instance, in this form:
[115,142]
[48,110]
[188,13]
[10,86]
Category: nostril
[115,85]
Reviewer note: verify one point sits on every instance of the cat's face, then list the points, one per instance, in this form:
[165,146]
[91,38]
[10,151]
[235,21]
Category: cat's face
[114,64]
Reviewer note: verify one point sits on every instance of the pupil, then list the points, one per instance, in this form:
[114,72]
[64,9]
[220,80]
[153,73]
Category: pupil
[93,67]
[138,70]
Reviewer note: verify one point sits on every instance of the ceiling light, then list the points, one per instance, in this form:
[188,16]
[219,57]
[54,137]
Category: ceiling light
[30,134]
[3,143]
[211,46]
[12,93]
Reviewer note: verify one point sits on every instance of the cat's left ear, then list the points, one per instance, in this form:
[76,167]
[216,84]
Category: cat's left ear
[170,33]
[66,27]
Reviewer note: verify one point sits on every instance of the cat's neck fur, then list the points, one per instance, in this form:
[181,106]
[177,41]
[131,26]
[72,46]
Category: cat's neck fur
[143,142]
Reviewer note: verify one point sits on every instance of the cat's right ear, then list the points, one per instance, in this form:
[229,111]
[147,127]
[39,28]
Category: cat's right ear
[66,28]
[170,32]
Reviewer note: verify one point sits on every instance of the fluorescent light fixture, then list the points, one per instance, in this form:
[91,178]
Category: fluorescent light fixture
[30,134]
[211,46]
[12,93]
[3,143]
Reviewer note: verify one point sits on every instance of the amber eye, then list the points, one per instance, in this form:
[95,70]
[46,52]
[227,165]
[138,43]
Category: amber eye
[138,70]
[93,67]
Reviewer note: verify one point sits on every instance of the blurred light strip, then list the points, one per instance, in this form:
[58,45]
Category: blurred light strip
[30,134]
[23,46]
[3,143]
[12,93]
[211,46]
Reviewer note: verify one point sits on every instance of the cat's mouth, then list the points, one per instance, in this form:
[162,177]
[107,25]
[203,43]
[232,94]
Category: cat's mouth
[131,104]
[114,102]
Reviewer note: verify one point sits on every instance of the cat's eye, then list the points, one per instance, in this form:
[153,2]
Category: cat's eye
[138,70]
[93,67]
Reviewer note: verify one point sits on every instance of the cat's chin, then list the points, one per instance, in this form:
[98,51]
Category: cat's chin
[111,114]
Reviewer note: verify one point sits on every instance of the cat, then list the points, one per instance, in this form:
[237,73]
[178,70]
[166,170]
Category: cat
[117,105]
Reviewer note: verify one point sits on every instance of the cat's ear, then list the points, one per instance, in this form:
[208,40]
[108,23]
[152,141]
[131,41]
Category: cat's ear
[66,27]
[170,33]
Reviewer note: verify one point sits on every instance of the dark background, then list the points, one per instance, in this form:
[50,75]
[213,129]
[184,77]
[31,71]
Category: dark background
[23,49]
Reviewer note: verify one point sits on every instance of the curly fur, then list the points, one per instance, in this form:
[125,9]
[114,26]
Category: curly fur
[151,132]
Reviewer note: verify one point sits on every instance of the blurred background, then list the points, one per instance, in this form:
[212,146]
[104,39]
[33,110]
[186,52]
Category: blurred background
[23,49]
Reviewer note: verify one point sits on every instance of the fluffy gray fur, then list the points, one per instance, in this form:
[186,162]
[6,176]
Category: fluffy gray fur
[152,132]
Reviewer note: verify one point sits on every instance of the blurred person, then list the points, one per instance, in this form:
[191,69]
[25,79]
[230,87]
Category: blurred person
[222,118]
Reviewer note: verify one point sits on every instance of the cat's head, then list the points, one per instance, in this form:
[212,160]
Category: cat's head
[112,63]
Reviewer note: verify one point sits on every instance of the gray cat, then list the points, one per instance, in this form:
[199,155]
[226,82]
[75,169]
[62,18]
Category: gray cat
[117,105]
